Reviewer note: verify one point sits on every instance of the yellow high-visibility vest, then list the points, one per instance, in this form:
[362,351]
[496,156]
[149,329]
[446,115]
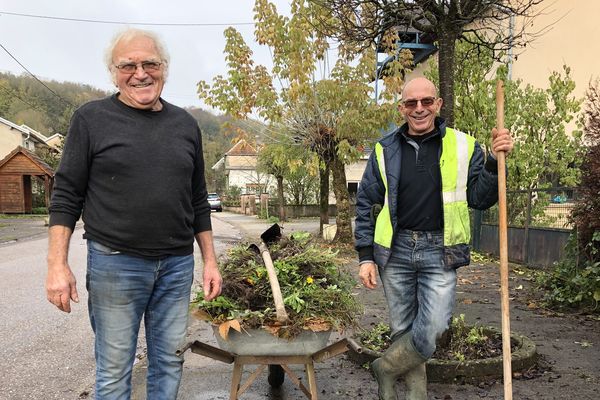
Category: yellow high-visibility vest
[457,150]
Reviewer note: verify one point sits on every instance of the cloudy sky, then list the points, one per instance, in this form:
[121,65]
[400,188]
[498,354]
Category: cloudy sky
[52,46]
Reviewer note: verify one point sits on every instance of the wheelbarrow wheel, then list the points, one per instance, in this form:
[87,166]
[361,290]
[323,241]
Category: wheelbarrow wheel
[276,375]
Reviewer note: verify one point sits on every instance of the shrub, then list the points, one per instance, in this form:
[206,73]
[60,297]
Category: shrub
[586,213]
[574,282]
[465,342]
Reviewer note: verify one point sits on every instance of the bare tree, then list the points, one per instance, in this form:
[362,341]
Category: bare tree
[315,129]
[491,23]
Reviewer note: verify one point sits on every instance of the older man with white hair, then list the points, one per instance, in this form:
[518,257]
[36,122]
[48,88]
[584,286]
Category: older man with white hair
[133,167]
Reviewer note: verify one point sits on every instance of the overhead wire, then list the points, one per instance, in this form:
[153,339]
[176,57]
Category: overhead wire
[100,22]
[37,79]
[266,131]
[95,21]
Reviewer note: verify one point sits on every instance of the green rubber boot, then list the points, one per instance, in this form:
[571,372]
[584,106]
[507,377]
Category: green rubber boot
[400,358]
[416,383]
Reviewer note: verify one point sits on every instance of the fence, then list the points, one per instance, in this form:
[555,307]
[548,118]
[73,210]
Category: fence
[538,221]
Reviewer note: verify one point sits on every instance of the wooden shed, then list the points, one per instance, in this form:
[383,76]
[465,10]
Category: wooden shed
[17,172]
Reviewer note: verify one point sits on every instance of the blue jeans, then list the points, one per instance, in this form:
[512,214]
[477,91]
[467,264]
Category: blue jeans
[419,289]
[122,289]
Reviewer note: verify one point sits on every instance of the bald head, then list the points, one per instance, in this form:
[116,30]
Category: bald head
[420,105]
[419,84]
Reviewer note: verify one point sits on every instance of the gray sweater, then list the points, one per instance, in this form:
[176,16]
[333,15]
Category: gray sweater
[138,177]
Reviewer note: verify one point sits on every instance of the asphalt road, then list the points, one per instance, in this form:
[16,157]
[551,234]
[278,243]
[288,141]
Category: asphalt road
[45,353]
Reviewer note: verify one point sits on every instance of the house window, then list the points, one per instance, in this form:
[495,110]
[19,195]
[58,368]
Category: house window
[352,190]
[29,145]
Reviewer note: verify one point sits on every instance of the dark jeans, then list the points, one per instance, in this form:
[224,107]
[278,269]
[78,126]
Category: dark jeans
[419,289]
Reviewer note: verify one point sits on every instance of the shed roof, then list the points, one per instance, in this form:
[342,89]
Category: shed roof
[45,168]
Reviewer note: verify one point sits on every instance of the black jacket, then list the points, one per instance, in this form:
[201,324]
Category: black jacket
[482,191]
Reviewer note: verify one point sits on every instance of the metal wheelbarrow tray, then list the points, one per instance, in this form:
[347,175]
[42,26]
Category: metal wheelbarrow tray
[260,347]
[278,363]
[260,342]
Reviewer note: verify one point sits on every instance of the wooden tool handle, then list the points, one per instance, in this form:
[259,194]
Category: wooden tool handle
[279,306]
[503,238]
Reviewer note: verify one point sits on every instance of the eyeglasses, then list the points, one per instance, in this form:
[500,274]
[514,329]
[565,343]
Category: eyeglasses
[130,68]
[425,102]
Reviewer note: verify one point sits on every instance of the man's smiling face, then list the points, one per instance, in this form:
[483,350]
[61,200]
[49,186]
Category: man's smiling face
[140,89]
[420,105]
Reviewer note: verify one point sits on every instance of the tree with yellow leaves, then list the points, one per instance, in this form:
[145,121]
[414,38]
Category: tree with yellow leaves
[333,116]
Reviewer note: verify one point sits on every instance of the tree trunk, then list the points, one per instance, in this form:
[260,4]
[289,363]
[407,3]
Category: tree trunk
[324,197]
[281,198]
[342,199]
[446,58]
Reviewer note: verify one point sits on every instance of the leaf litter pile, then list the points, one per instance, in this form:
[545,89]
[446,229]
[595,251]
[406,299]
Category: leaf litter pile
[316,290]
[460,343]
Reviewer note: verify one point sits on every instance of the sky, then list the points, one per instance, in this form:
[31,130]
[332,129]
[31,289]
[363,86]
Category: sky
[56,49]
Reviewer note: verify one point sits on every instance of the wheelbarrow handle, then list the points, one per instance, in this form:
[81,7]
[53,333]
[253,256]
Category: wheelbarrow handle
[279,307]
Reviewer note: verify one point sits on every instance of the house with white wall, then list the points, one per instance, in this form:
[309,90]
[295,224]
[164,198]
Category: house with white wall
[13,136]
[239,166]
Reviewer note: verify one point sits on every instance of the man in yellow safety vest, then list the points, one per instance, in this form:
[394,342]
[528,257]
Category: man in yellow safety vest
[413,228]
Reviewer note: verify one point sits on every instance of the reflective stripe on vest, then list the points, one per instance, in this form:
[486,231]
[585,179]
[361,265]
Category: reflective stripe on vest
[457,150]
[383,225]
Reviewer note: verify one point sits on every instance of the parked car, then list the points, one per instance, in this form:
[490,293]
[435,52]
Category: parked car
[215,202]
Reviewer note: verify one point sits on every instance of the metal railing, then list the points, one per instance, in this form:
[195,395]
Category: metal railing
[543,208]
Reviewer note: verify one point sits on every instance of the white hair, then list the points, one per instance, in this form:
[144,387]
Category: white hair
[128,35]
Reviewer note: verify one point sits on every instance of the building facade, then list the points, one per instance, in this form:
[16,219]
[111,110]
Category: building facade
[239,166]
[13,136]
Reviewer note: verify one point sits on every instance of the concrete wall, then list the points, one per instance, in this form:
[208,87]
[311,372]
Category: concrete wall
[290,211]
[9,140]
[572,38]
[355,171]
[240,162]
[244,178]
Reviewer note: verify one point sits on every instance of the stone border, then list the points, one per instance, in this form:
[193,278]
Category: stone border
[443,371]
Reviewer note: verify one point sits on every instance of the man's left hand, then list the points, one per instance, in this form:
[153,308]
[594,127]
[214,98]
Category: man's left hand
[211,281]
[501,141]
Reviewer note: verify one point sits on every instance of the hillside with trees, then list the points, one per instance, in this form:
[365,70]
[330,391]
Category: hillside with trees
[47,107]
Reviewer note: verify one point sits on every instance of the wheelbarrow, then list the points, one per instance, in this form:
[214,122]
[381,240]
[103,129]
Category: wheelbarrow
[259,347]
